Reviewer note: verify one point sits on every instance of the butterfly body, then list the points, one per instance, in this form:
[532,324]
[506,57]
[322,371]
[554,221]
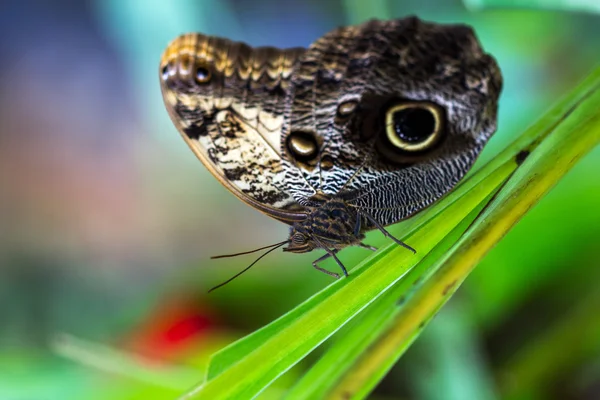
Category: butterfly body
[366,127]
[333,225]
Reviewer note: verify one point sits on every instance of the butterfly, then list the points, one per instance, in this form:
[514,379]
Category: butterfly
[367,126]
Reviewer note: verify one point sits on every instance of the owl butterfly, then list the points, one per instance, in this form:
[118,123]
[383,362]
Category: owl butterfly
[367,126]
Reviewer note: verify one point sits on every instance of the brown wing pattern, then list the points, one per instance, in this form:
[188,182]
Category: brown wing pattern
[343,87]
[227,100]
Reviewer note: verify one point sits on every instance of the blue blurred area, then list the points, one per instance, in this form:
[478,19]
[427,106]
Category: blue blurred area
[106,215]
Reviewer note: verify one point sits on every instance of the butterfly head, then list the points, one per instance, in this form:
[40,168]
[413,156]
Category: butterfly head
[300,241]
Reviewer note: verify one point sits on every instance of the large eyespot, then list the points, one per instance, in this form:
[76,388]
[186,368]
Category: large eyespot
[414,126]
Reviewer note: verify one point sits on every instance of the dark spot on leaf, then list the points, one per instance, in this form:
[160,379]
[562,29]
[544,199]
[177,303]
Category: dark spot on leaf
[401,301]
[448,287]
[346,395]
[523,154]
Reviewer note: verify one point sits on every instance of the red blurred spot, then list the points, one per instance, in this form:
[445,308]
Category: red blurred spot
[187,327]
[171,328]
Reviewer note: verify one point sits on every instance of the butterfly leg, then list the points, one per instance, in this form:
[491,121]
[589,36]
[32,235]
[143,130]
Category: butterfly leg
[337,260]
[386,233]
[330,253]
[366,246]
[357,227]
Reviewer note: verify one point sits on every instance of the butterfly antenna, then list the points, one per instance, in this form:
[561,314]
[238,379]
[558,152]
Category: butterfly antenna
[273,247]
[247,252]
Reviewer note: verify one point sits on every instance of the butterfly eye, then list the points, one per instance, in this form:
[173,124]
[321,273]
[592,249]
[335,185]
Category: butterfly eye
[414,126]
[298,239]
[202,74]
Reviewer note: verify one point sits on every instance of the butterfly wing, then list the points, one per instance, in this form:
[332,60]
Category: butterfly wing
[344,86]
[227,100]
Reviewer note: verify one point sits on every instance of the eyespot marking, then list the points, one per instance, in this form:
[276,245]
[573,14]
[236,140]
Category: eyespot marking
[202,74]
[302,146]
[414,126]
[346,108]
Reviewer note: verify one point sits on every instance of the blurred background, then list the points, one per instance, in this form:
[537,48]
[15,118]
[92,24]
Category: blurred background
[107,219]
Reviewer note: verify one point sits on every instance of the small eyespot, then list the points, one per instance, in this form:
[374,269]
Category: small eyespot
[414,126]
[202,74]
[345,111]
[346,108]
[302,146]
